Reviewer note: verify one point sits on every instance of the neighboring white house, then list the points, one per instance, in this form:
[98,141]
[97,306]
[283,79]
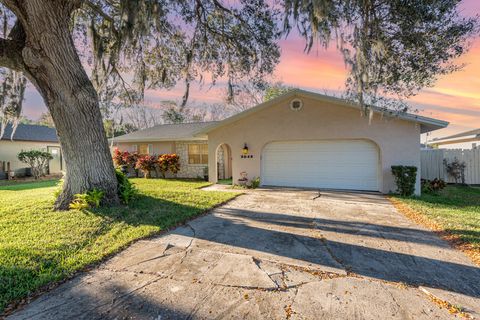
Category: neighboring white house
[463,140]
[299,139]
[28,137]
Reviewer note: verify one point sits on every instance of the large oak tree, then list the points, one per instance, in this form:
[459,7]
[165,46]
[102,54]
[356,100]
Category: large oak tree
[393,47]
[153,43]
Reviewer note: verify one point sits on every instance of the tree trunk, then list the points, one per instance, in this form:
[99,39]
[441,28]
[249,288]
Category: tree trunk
[53,66]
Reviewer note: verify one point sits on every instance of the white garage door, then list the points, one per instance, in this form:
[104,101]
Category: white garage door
[343,164]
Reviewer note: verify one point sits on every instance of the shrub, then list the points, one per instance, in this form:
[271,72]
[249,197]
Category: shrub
[131,158]
[91,198]
[94,197]
[119,158]
[126,158]
[126,190]
[79,202]
[146,163]
[169,162]
[163,164]
[429,186]
[37,160]
[255,183]
[174,163]
[455,169]
[405,177]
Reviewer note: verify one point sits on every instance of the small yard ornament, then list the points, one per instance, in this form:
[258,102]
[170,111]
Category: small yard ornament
[243,179]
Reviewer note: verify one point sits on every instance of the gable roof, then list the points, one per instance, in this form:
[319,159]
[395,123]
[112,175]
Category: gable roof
[31,132]
[475,132]
[167,132]
[467,136]
[427,124]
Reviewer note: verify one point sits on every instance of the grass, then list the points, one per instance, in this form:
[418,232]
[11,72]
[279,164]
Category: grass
[28,184]
[454,212]
[18,186]
[225,181]
[39,246]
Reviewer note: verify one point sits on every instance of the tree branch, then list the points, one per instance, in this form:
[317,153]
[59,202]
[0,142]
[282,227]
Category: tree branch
[11,48]
[99,10]
[10,55]
[17,34]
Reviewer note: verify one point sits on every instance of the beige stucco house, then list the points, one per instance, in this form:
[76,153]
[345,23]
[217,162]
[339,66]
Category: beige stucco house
[28,137]
[300,139]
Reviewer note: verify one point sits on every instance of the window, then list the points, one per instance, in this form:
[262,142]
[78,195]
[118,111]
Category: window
[143,148]
[198,154]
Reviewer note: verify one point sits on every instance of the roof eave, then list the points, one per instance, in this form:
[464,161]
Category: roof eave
[464,139]
[158,139]
[471,133]
[29,140]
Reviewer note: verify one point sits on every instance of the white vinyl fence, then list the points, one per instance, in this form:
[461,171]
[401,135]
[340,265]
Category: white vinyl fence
[432,164]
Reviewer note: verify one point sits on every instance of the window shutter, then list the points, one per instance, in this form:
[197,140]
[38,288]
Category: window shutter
[135,148]
[150,149]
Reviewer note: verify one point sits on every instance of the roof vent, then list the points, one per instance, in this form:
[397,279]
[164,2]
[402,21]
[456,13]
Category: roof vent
[296,104]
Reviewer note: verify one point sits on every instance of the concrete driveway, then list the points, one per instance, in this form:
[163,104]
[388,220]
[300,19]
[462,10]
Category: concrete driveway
[278,254]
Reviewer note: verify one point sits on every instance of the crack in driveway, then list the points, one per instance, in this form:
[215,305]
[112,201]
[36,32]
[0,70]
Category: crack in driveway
[265,246]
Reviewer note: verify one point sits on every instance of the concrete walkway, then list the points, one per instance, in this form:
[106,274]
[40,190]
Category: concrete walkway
[277,254]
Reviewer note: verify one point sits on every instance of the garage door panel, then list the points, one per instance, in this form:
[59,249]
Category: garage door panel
[345,164]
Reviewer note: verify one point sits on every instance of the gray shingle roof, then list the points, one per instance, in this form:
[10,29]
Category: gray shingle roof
[166,132]
[31,132]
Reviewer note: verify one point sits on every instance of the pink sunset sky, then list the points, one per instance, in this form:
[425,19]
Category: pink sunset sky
[454,98]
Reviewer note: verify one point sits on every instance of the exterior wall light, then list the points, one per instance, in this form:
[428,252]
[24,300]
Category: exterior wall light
[245,149]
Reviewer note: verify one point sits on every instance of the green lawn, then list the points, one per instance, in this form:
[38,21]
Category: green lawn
[456,209]
[38,245]
[28,184]
[225,181]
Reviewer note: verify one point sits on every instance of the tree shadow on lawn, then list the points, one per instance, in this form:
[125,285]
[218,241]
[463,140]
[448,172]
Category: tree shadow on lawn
[152,211]
[36,271]
[472,236]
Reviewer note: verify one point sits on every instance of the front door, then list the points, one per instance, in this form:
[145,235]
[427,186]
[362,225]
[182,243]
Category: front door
[55,165]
